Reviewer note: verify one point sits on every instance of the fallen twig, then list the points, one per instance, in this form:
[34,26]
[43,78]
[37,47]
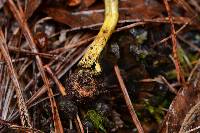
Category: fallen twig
[128,100]
[180,76]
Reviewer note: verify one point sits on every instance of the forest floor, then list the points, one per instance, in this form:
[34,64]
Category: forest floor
[150,79]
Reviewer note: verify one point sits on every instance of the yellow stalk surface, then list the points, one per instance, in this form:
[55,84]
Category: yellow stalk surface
[91,57]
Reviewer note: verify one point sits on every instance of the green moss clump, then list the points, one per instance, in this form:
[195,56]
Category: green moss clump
[96,119]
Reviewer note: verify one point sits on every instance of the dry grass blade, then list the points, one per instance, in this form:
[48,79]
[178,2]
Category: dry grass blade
[193,129]
[128,101]
[79,123]
[189,43]
[195,4]
[59,85]
[171,88]
[176,20]
[180,76]
[43,89]
[130,26]
[75,45]
[21,103]
[193,70]
[186,6]
[44,55]
[19,128]
[27,33]
[169,37]
[9,95]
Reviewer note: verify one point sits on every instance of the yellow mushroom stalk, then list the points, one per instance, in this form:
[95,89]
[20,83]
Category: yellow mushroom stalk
[91,57]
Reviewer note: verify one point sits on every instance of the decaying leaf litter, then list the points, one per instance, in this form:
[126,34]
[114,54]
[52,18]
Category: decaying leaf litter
[149,67]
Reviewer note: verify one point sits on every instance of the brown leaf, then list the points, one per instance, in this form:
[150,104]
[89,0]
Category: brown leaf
[127,10]
[63,16]
[2,3]
[88,3]
[73,2]
[186,98]
[31,7]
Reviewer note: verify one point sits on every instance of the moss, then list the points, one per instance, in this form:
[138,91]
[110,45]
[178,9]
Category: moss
[96,119]
[156,112]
